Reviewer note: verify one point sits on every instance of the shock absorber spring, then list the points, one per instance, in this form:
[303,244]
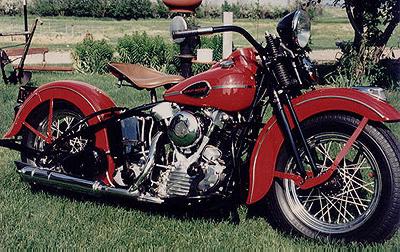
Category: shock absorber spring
[280,71]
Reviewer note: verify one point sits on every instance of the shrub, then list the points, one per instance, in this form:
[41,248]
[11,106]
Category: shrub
[10,7]
[120,9]
[215,43]
[160,10]
[46,7]
[128,9]
[92,56]
[149,51]
[208,11]
[359,69]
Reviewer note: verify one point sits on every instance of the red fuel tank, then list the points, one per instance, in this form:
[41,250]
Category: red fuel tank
[229,85]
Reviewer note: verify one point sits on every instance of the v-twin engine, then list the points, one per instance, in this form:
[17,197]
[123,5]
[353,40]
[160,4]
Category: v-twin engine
[196,164]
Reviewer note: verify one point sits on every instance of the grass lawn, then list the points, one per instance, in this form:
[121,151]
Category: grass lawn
[42,220]
[62,33]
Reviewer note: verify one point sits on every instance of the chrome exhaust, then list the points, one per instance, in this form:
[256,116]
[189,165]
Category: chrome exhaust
[57,180]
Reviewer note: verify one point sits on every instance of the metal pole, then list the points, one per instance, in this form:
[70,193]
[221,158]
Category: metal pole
[26,20]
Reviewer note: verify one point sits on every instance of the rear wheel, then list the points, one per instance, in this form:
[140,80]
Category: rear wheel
[361,202]
[64,116]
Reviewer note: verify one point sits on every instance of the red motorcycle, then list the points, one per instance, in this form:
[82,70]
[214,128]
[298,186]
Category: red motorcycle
[324,164]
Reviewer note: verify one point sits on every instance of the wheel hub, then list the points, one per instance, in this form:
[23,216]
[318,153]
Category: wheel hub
[333,186]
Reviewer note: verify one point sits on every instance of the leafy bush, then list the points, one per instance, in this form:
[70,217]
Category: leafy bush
[92,56]
[120,9]
[160,10]
[135,9]
[10,7]
[215,43]
[128,9]
[357,68]
[44,8]
[149,51]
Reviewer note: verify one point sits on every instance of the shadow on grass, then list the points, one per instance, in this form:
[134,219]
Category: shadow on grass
[214,210]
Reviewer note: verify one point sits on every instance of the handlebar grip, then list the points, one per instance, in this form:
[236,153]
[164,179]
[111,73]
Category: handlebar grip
[192,33]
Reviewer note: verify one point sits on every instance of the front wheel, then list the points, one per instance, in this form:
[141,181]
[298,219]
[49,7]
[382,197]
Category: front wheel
[361,201]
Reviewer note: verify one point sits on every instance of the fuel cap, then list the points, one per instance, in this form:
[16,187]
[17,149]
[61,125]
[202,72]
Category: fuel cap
[227,64]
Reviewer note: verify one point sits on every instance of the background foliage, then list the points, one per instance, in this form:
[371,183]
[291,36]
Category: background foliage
[135,9]
[373,22]
[9,7]
[92,56]
[139,48]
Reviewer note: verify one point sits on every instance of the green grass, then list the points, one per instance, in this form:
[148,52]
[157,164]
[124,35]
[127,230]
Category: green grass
[39,220]
[62,33]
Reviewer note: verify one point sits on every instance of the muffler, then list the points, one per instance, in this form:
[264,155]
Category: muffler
[57,180]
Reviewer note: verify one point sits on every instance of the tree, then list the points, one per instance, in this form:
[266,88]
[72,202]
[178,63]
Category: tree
[373,22]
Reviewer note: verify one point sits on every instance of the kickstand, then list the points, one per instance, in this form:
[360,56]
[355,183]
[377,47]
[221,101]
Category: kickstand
[235,218]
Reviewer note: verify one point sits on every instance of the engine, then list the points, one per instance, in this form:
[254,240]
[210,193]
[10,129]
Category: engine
[197,164]
[184,129]
[186,161]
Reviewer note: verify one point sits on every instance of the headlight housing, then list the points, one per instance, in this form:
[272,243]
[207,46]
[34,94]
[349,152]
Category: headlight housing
[295,29]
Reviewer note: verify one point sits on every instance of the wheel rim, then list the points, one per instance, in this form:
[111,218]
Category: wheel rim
[346,201]
[62,122]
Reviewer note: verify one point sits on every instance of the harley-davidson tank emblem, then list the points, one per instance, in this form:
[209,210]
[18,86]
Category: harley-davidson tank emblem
[198,90]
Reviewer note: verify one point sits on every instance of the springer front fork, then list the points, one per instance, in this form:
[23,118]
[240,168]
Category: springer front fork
[306,179]
[283,120]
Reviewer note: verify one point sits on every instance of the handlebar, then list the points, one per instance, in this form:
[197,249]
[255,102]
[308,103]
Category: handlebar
[219,29]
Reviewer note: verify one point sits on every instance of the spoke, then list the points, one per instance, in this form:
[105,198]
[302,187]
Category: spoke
[50,119]
[357,156]
[356,188]
[358,198]
[325,152]
[338,209]
[309,208]
[328,208]
[345,199]
[322,207]
[354,181]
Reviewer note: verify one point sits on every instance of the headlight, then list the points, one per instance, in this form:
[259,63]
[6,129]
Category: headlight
[301,28]
[294,29]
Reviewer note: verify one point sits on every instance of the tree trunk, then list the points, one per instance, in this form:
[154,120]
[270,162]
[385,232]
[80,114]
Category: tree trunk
[358,14]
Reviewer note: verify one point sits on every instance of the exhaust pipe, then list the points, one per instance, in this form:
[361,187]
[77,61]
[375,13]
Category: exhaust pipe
[34,174]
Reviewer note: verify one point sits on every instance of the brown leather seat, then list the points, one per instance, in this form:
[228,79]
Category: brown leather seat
[142,77]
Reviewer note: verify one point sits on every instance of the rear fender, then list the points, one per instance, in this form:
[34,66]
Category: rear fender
[271,138]
[88,99]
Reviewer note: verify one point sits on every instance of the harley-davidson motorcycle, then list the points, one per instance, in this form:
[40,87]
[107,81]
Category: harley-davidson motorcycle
[324,163]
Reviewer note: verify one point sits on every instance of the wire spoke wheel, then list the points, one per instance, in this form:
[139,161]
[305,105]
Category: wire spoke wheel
[63,118]
[359,202]
[347,199]
[62,122]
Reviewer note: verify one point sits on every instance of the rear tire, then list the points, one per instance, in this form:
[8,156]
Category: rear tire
[360,203]
[64,117]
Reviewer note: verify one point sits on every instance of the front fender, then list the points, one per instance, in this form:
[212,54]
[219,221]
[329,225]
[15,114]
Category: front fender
[271,139]
[88,99]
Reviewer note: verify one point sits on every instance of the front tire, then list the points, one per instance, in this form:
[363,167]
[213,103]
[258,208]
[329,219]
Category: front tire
[361,202]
